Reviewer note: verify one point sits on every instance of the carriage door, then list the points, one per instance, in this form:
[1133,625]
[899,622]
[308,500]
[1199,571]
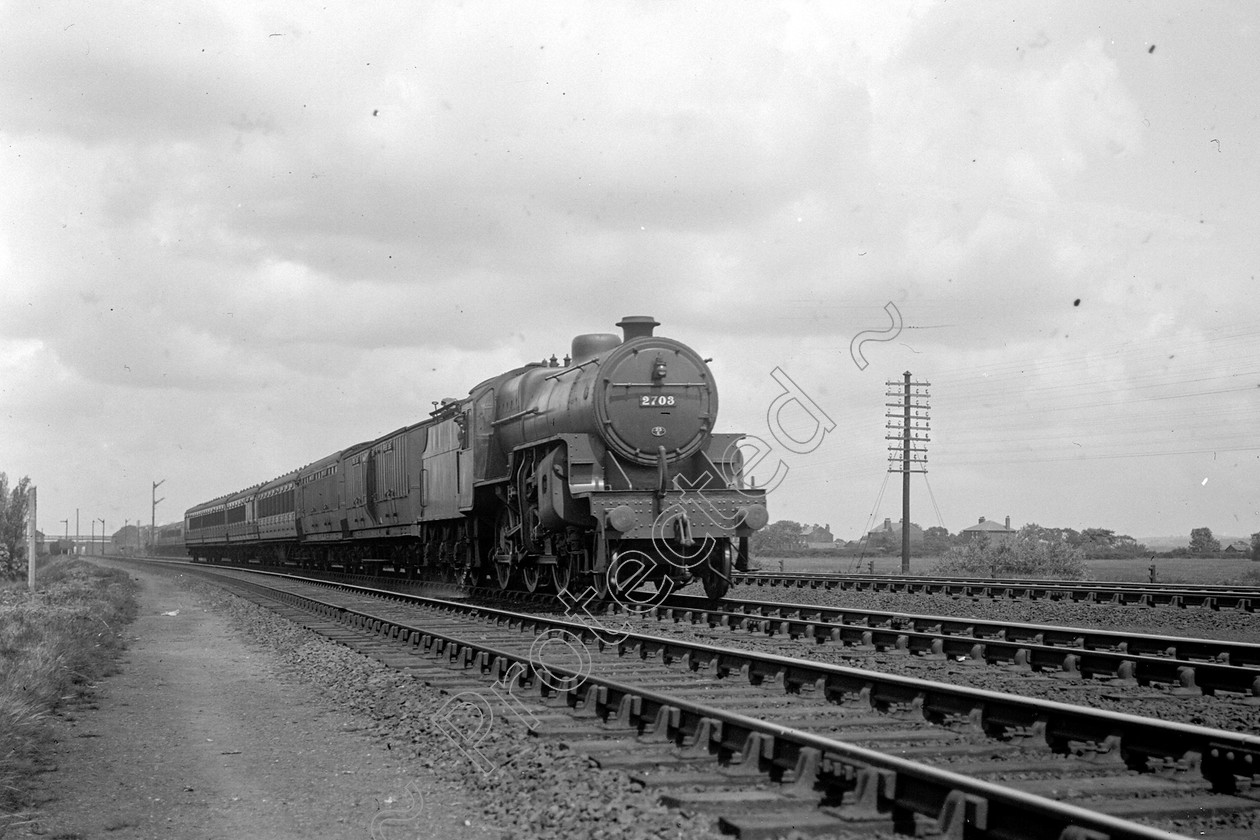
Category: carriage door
[369,485]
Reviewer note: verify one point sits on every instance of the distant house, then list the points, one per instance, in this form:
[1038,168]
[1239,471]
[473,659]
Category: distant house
[1238,547]
[818,536]
[987,528]
[890,532]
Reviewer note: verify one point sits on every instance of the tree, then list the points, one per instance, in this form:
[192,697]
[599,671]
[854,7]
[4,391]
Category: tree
[1051,536]
[1255,546]
[1037,533]
[936,539]
[13,526]
[1102,538]
[1202,542]
[1104,542]
[782,537]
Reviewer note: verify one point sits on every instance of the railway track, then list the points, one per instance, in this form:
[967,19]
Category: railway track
[1246,599]
[770,742]
[1180,666]
[1184,666]
[1109,593]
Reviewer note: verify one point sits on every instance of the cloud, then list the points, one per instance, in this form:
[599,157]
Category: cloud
[227,214]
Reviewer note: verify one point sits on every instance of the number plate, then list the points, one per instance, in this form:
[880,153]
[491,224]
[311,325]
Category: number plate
[656,400]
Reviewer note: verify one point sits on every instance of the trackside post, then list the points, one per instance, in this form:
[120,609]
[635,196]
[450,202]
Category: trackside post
[30,540]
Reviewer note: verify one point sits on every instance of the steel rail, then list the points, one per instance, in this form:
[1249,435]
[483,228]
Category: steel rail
[1193,666]
[941,583]
[1246,654]
[966,579]
[866,788]
[1246,599]
[1095,592]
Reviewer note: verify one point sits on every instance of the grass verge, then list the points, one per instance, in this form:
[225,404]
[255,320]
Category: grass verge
[54,643]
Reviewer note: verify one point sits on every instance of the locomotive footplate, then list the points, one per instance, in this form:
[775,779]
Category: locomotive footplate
[682,516]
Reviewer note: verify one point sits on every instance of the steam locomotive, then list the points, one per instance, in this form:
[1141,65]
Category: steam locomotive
[600,471]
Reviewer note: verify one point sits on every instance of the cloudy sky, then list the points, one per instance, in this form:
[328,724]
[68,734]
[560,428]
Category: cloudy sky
[238,236]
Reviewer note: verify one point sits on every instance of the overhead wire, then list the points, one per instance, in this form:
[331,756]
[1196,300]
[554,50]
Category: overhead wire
[864,541]
[939,519]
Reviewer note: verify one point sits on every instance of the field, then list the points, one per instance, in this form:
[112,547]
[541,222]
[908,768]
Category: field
[1167,569]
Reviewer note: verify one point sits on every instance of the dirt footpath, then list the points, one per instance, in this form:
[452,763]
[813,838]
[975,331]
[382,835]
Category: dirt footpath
[198,737]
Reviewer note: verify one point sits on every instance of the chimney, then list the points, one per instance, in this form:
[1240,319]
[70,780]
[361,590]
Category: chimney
[982,520]
[1008,523]
[887,523]
[638,326]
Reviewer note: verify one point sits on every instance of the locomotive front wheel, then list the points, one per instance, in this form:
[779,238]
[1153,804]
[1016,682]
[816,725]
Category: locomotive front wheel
[506,546]
[599,582]
[562,573]
[607,584]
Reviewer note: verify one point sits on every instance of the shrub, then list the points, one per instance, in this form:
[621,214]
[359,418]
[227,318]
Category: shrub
[1018,557]
[53,644]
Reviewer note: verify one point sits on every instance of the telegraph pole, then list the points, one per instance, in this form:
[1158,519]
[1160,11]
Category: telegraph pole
[907,427]
[30,540]
[153,511]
